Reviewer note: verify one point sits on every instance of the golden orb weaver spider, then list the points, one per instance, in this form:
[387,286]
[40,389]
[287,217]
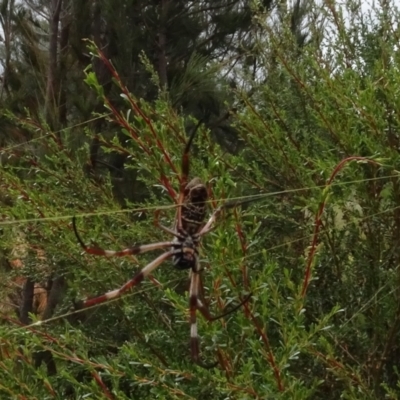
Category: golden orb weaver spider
[183,250]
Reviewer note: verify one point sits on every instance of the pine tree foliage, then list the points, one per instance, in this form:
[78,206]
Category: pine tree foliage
[300,114]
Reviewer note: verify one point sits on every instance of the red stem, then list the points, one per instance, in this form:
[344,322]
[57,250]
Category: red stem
[102,385]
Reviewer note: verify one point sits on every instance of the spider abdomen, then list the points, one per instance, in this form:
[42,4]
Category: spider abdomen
[194,206]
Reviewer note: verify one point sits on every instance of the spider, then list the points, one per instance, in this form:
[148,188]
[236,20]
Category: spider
[183,250]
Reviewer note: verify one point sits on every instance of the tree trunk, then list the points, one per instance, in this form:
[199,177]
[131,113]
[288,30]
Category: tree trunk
[52,84]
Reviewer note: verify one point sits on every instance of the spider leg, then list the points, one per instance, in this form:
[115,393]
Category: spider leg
[137,249]
[130,284]
[196,304]
[171,232]
[185,176]
[202,307]
[194,338]
[207,315]
[211,221]
[209,226]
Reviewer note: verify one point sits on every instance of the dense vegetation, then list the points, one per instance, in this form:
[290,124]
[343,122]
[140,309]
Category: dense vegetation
[300,109]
